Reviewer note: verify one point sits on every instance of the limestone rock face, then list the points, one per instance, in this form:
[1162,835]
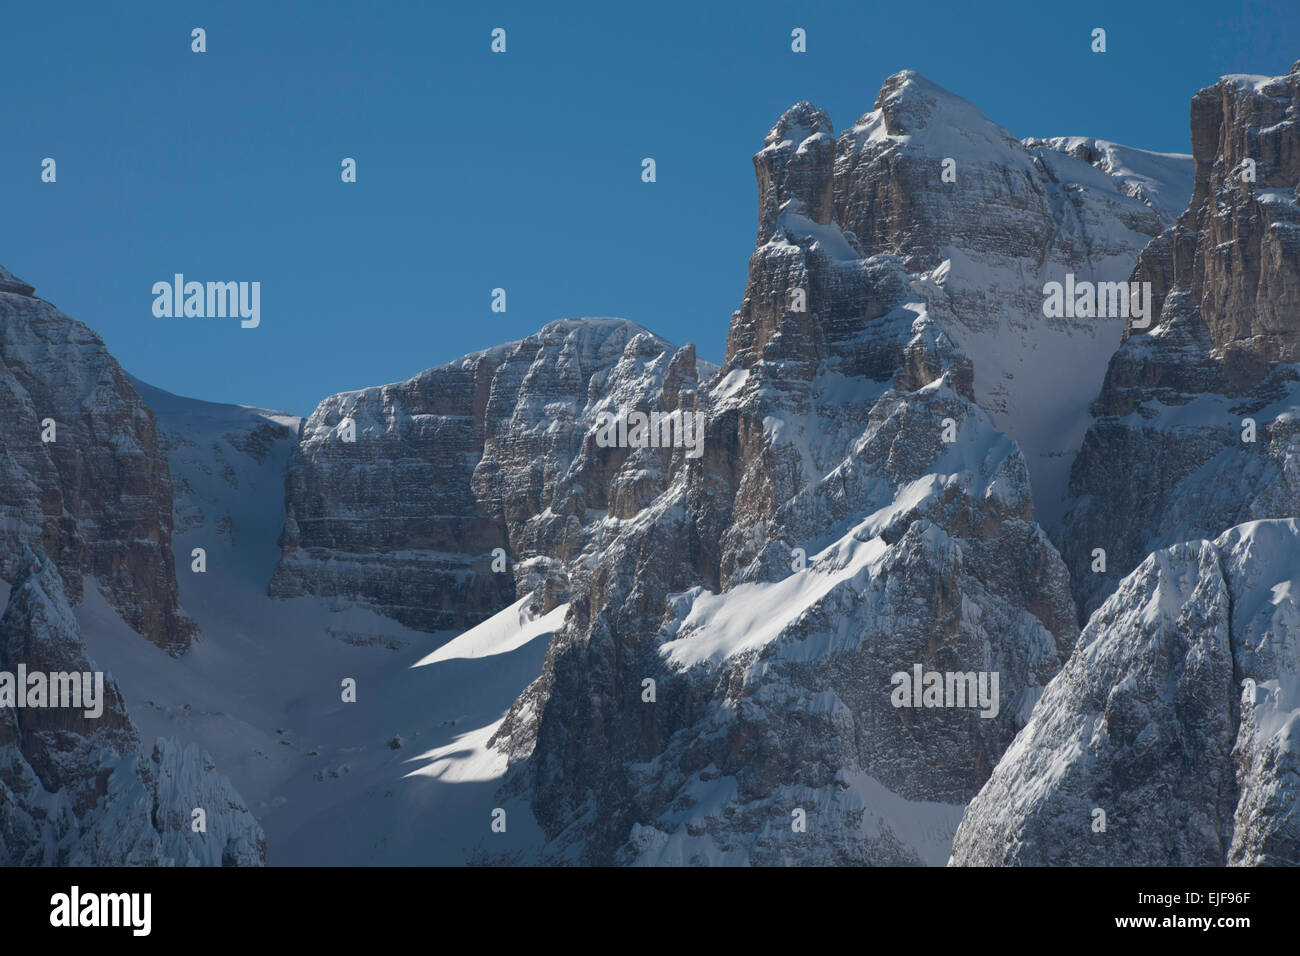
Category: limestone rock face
[81,790]
[1175,718]
[1166,460]
[494,451]
[390,517]
[893,413]
[1244,272]
[726,664]
[97,498]
[983,222]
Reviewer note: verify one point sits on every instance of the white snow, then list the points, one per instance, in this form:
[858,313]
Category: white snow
[952,126]
[750,616]
[828,237]
[506,631]
[467,759]
[1165,179]
[1250,81]
[261,691]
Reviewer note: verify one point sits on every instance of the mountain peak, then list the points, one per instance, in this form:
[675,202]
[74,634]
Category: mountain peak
[11,283]
[796,163]
[909,102]
[797,124]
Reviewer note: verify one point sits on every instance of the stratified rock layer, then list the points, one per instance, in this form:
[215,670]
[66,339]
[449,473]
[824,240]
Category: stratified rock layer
[473,475]
[97,497]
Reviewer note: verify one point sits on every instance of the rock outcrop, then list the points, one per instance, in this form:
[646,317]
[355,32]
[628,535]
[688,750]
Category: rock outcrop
[1170,736]
[1172,456]
[79,788]
[492,453]
[12,284]
[81,474]
[389,518]
[720,690]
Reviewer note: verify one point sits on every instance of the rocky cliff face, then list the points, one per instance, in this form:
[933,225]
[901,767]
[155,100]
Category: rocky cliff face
[1169,737]
[854,513]
[82,790]
[494,451]
[1171,456]
[983,222]
[97,496]
[724,684]
[390,516]
[738,625]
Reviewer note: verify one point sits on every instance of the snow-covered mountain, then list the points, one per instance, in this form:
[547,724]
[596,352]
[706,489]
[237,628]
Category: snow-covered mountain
[1175,718]
[1198,425]
[830,536]
[436,601]
[491,453]
[982,242]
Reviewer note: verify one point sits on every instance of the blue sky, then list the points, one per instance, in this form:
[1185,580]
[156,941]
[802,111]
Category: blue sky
[478,171]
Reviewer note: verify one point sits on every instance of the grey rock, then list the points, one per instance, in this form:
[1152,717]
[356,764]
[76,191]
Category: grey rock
[1165,460]
[1175,716]
[83,791]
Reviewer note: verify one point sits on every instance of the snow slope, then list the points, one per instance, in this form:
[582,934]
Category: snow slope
[401,776]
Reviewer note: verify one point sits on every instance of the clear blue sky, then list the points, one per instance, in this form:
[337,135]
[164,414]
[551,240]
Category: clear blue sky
[479,170]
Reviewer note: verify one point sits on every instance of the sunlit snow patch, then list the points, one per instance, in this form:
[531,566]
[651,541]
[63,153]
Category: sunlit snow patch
[505,631]
[467,759]
[751,616]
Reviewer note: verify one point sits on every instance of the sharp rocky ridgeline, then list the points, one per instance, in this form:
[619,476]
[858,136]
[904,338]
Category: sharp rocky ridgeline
[906,466]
